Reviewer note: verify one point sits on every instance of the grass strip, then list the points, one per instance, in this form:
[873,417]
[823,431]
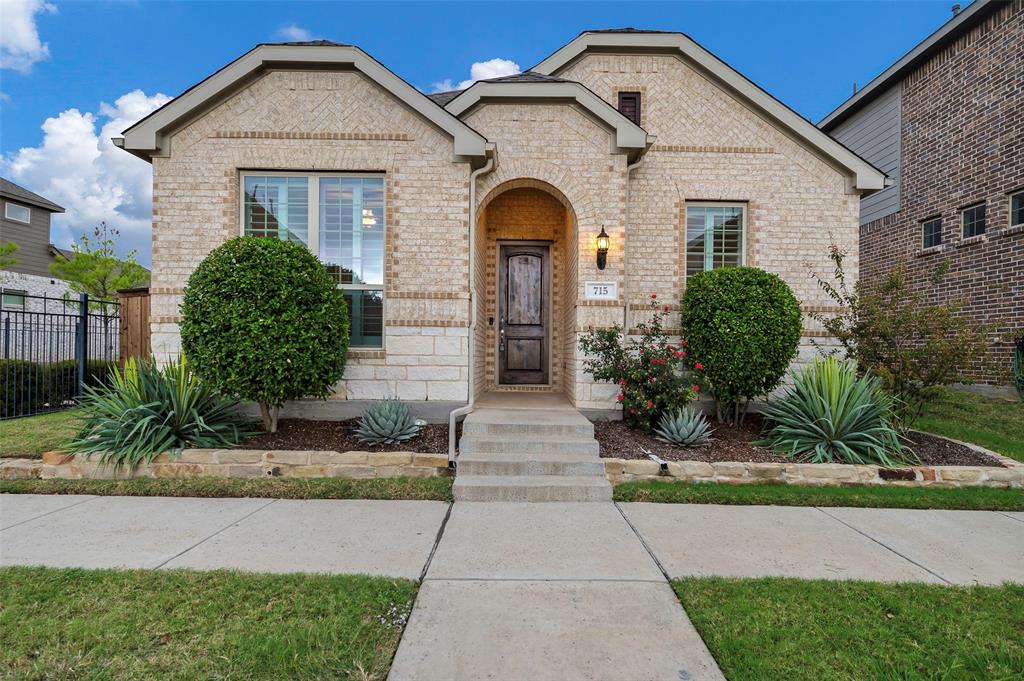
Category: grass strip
[406,488]
[30,436]
[179,624]
[819,630]
[986,421]
[869,496]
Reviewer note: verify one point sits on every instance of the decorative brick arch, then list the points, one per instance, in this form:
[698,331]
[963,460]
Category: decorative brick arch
[496,214]
[559,181]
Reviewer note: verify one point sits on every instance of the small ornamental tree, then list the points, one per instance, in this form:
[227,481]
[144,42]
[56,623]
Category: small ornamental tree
[263,321]
[650,371]
[743,325]
[891,330]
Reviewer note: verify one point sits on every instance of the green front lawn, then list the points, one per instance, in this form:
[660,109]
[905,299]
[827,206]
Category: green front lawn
[992,423]
[976,498]
[771,629]
[417,489]
[147,624]
[30,436]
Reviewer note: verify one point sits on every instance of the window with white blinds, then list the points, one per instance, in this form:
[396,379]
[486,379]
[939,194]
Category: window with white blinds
[714,236]
[338,217]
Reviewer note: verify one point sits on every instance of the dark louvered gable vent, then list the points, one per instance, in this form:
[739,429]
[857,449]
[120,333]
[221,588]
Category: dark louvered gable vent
[629,106]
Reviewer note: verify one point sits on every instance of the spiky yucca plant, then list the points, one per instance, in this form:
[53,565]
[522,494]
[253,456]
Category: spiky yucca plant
[831,415]
[143,411]
[685,427]
[387,422]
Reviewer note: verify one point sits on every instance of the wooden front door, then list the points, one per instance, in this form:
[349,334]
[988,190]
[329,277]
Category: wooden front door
[524,276]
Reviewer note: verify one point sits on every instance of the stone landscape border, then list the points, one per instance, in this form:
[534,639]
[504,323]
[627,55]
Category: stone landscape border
[251,463]
[235,463]
[822,474]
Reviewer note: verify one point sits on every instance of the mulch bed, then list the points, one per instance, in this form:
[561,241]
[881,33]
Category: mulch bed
[339,436]
[733,443]
[729,443]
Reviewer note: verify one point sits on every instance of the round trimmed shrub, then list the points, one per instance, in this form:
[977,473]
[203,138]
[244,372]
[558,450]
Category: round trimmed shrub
[742,326]
[263,321]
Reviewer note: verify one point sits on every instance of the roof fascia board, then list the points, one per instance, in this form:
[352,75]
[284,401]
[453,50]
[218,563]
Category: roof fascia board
[865,176]
[880,82]
[44,204]
[145,138]
[628,135]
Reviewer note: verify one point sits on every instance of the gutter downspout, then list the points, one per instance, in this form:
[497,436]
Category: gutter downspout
[462,411]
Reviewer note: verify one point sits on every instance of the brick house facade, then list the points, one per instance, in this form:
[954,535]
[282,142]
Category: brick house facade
[957,142]
[543,159]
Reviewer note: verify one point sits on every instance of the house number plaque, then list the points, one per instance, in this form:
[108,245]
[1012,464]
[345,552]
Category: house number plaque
[601,290]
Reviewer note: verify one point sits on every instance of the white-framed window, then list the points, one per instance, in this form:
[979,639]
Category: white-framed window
[973,220]
[17,212]
[714,236]
[1017,208]
[12,300]
[931,232]
[340,218]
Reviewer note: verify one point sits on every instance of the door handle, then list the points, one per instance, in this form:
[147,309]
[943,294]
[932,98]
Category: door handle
[501,334]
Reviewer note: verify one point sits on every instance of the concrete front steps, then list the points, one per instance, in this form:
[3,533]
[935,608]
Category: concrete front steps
[529,455]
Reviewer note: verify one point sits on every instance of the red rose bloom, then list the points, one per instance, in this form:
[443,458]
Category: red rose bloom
[699,366]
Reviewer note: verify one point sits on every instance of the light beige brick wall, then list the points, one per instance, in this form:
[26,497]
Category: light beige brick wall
[712,147]
[330,121]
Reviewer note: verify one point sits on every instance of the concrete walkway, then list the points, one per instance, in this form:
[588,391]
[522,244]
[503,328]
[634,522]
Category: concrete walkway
[554,591]
[388,538]
[879,544]
[517,590]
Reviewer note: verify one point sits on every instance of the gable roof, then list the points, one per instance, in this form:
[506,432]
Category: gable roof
[959,24]
[148,137]
[531,85]
[864,176]
[18,193]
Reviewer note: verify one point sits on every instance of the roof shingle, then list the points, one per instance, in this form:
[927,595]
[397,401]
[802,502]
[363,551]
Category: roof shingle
[19,193]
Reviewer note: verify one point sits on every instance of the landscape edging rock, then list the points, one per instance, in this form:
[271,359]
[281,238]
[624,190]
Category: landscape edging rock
[820,474]
[234,463]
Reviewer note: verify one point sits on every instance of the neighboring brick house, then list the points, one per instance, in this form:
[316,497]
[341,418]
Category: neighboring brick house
[25,220]
[946,122]
[464,226]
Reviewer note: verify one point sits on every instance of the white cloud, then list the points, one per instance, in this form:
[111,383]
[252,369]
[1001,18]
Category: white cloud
[481,70]
[81,169]
[293,33]
[4,98]
[20,46]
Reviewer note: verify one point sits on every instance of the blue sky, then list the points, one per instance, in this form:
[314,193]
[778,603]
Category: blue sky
[102,64]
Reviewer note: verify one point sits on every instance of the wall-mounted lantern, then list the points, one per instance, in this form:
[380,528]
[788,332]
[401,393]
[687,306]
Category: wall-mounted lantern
[603,241]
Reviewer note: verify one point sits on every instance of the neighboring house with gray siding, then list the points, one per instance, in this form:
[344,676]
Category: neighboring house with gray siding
[25,220]
[874,133]
[946,123]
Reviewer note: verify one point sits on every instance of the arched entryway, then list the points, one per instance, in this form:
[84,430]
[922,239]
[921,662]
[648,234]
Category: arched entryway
[526,248]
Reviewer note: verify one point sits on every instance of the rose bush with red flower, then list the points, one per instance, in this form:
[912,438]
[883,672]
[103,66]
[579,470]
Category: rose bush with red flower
[649,369]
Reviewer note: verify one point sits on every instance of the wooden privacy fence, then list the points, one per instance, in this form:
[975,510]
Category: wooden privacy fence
[134,323]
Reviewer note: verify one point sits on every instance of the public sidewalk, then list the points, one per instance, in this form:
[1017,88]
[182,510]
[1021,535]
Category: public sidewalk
[514,591]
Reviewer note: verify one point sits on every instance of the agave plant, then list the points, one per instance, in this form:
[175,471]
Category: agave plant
[832,415]
[685,427]
[143,410]
[387,422]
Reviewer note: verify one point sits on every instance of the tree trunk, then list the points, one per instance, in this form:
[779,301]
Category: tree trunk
[268,415]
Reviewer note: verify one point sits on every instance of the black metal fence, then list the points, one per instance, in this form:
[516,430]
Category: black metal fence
[51,348]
